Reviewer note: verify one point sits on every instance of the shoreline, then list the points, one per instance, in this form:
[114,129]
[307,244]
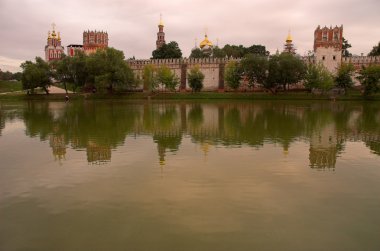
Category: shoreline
[189,96]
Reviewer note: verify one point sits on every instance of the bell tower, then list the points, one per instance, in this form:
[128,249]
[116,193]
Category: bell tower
[160,34]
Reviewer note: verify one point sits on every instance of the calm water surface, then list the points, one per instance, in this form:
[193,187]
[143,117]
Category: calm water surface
[189,176]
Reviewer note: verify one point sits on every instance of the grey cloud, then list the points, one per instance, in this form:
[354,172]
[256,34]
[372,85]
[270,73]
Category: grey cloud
[132,24]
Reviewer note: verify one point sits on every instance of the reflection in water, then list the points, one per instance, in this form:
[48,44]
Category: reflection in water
[99,127]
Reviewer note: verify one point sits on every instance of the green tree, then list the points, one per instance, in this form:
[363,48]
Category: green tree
[318,77]
[291,70]
[36,75]
[195,77]
[255,68]
[233,74]
[109,70]
[167,78]
[345,47]
[218,52]
[272,81]
[62,70]
[79,70]
[6,75]
[149,77]
[197,53]
[170,50]
[257,50]
[343,78]
[375,50]
[369,78]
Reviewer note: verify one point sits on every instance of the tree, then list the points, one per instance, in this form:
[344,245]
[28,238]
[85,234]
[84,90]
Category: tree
[167,78]
[197,53]
[35,75]
[233,74]
[109,70]
[286,69]
[62,70]
[257,50]
[375,50]
[218,52]
[255,68]
[272,80]
[6,75]
[170,50]
[369,78]
[79,70]
[239,51]
[345,46]
[343,78]
[318,77]
[195,77]
[149,77]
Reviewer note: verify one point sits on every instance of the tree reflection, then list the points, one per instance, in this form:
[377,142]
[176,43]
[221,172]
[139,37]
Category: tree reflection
[99,127]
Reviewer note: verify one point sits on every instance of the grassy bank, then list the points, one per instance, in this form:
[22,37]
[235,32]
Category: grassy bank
[10,86]
[190,96]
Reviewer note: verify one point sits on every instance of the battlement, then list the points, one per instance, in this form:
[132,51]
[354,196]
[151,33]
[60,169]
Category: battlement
[361,60]
[177,62]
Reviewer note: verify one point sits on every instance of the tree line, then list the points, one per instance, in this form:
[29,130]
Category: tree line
[103,71]
[282,71]
[7,75]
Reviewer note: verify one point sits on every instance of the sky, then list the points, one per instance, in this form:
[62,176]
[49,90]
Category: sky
[132,24]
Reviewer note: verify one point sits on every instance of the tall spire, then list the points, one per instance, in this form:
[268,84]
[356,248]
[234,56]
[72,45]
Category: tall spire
[161,34]
[289,37]
[161,23]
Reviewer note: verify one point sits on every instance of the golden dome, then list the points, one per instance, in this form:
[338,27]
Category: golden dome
[205,42]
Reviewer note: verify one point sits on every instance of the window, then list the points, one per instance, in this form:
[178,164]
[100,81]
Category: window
[324,36]
[336,36]
[323,57]
[334,58]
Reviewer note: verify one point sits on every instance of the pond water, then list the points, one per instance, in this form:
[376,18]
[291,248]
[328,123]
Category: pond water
[114,175]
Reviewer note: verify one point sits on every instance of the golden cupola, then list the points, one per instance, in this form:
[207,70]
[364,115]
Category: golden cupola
[289,38]
[205,42]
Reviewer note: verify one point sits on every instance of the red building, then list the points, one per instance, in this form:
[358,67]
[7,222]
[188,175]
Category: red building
[53,49]
[73,48]
[94,40]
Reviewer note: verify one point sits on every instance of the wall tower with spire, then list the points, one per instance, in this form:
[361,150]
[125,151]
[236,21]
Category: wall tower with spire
[160,34]
[289,46]
[53,49]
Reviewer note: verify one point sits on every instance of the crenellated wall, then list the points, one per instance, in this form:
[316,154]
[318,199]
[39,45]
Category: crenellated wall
[213,68]
[359,61]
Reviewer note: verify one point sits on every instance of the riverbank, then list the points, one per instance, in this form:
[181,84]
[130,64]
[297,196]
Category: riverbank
[191,96]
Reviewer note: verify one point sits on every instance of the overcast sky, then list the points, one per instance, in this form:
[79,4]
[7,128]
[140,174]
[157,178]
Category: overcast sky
[132,24]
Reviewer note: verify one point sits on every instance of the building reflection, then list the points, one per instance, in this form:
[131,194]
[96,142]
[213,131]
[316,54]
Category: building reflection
[99,128]
[98,154]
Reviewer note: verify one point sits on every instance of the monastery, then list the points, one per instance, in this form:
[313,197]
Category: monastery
[327,51]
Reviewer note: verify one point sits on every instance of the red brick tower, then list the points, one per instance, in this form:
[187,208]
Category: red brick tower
[94,40]
[160,34]
[328,46]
